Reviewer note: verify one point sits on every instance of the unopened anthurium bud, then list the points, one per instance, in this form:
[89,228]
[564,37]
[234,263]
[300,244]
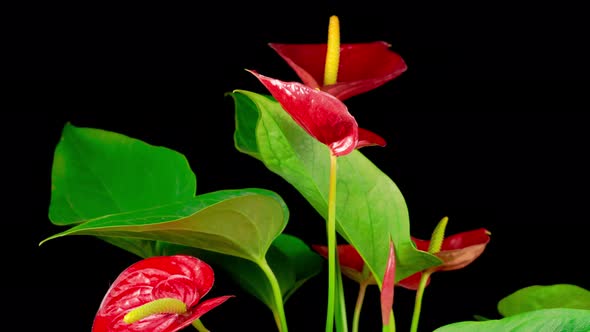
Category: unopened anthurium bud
[332,52]
[438,236]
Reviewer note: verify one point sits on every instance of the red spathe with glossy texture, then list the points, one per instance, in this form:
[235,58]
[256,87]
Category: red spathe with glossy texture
[351,262]
[182,277]
[322,115]
[362,66]
[457,251]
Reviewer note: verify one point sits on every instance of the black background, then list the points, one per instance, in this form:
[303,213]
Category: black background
[487,127]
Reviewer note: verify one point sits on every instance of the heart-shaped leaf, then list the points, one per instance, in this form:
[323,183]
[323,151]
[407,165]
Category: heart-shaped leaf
[128,192]
[241,223]
[545,320]
[544,297]
[97,172]
[370,208]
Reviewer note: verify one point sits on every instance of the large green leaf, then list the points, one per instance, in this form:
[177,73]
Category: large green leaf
[128,192]
[545,320]
[370,207]
[97,172]
[544,297]
[241,223]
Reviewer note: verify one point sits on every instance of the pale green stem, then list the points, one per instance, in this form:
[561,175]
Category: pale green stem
[278,297]
[199,326]
[418,302]
[340,310]
[391,326]
[359,304]
[331,230]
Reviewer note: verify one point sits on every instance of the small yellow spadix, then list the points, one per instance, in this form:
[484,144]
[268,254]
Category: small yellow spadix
[438,236]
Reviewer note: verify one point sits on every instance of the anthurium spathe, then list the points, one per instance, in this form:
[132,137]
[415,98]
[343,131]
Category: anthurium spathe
[352,264]
[322,115]
[457,251]
[160,293]
[362,67]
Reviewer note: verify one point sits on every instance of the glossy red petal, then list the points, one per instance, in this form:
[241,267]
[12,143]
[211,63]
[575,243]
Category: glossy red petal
[388,286]
[307,60]
[323,116]
[351,262]
[362,67]
[179,276]
[369,138]
[465,239]
[201,309]
[458,250]
[348,256]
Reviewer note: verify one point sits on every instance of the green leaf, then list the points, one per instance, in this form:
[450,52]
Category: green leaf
[290,259]
[545,320]
[370,207]
[241,223]
[97,172]
[296,256]
[545,297]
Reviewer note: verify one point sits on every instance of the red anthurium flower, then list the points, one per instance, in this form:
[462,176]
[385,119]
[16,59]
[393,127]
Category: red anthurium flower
[362,67]
[351,263]
[322,115]
[159,293]
[457,251]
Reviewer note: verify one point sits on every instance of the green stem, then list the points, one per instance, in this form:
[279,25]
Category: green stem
[391,326]
[278,297]
[359,304]
[331,230]
[340,310]
[418,303]
[199,326]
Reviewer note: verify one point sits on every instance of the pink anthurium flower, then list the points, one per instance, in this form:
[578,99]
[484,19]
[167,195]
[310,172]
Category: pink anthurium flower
[322,115]
[161,293]
[457,251]
[362,67]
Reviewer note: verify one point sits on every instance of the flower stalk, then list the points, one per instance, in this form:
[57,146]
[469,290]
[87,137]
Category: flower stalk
[331,231]
[330,77]
[359,305]
[280,317]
